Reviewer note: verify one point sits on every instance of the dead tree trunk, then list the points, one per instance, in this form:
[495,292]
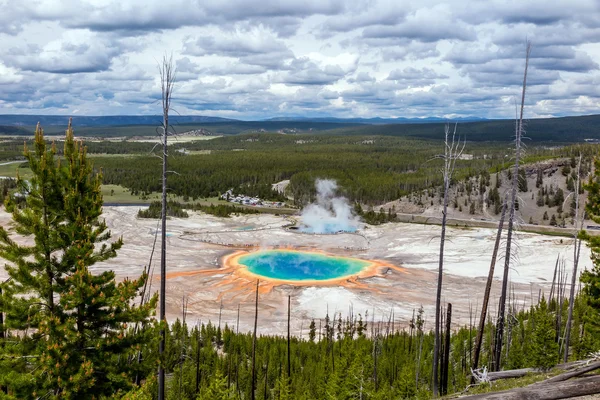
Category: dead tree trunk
[265,392]
[198,347]
[574,368]
[453,148]
[289,362]
[444,385]
[237,323]
[553,280]
[511,220]
[253,394]
[488,289]
[3,389]
[167,79]
[576,251]
[546,391]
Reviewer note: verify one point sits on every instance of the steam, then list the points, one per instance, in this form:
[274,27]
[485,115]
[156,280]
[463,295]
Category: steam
[329,214]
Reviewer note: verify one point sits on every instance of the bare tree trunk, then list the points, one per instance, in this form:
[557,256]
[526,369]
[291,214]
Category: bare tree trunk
[438,298]
[546,391]
[252,394]
[1,323]
[561,291]
[167,79]
[375,363]
[452,152]
[553,280]
[182,350]
[419,357]
[237,324]
[3,389]
[511,219]
[266,379]
[576,251]
[289,363]
[198,347]
[220,313]
[446,352]
[488,288]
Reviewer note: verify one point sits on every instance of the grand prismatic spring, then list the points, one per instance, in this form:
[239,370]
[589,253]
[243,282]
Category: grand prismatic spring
[300,267]
[293,265]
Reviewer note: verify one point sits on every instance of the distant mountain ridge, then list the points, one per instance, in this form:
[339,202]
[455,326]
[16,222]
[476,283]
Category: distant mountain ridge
[120,120]
[558,129]
[378,120]
[107,120]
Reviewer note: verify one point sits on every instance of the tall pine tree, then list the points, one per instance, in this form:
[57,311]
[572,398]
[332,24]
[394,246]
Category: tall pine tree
[78,339]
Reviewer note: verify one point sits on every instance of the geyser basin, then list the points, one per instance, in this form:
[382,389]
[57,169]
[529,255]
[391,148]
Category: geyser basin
[292,265]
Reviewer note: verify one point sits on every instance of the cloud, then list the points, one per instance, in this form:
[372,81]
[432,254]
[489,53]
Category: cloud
[425,25]
[303,71]
[75,52]
[258,47]
[239,44]
[139,16]
[414,74]
[387,15]
[318,57]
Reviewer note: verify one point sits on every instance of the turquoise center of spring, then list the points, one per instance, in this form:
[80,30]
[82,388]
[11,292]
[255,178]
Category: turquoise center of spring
[300,265]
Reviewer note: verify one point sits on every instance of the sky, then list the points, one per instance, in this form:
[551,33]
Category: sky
[309,58]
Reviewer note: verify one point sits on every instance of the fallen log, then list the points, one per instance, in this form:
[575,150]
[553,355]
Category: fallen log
[518,373]
[571,374]
[545,391]
[512,373]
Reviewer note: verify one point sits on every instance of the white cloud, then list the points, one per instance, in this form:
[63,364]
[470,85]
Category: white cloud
[248,59]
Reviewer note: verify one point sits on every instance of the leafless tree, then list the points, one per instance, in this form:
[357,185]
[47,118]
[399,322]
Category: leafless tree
[488,288]
[453,149]
[167,80]
[576,250]
[253,388]
[511,218]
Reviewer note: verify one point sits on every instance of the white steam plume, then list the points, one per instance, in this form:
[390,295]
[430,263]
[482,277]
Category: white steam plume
[329,214]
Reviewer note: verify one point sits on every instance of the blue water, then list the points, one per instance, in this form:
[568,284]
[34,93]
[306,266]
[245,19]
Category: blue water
[299,265]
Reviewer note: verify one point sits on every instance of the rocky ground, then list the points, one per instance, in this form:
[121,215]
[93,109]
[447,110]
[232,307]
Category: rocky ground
[428,203]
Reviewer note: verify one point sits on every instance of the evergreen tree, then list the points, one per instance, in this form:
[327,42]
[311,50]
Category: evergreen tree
[217,390]
[544,349]
[312,333]
[282,388]
[522,181]
[540,200]
[570,184]
[539,180]
[78,339]
[559,197]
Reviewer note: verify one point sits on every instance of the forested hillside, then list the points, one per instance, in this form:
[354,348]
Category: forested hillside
[371,170]
[561,130]
[539,130]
